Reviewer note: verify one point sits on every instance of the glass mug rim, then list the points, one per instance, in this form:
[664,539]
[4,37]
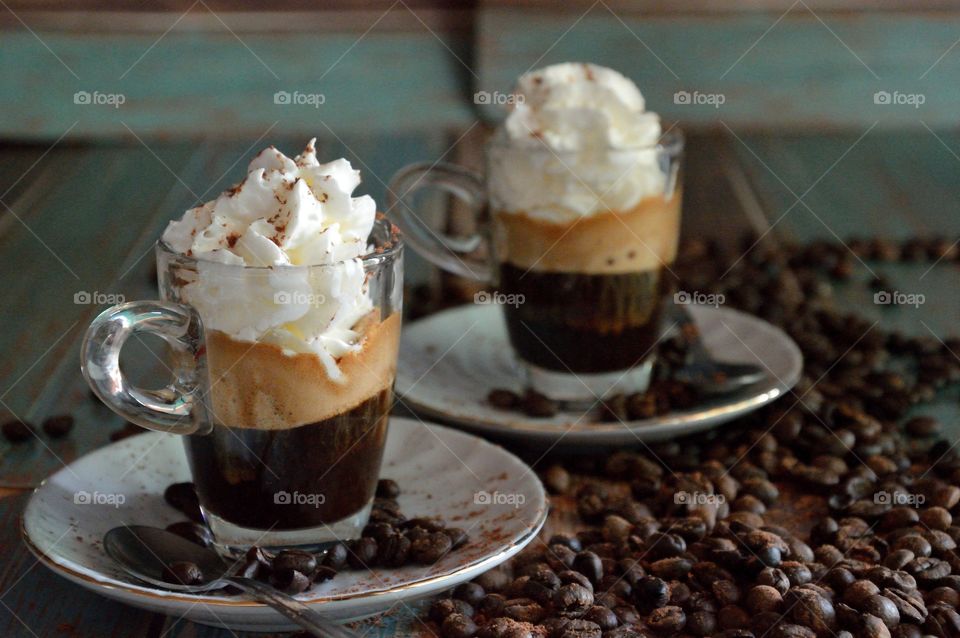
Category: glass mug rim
[670,143]
[385,249]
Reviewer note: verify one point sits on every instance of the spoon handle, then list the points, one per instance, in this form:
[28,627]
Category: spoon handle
[291,608]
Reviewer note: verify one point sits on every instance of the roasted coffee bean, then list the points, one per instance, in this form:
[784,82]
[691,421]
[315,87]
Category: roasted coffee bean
[362,553]
[182,573]
[572,599]
[571,542]
[524,610]
[443,607]
[763,598]
[651,592]
[773,577]
[469,592]
[295,559]
[503,399]
[937,518]
[701,623]
[336,556]
[602,616]
[323,573]
[183,497]
[458,537]
[17,431]
[810,609]
[505,628]
[458,626]
[588,564]
[57,427]
[535,404]
[430,548]
[667,619]
[393,550]
[193,532]
[923,426]
[883,608]
[387,488]
[579,628]
[289,581]
[733,617]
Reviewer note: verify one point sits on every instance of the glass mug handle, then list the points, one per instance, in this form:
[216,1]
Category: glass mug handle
[179,407]
[448,252]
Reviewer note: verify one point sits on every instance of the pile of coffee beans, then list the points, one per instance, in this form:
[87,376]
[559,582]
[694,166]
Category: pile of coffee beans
[389,540]
[826,514]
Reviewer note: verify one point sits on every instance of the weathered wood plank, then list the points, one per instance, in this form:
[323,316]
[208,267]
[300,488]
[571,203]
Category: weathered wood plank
[794,69]
[366,82]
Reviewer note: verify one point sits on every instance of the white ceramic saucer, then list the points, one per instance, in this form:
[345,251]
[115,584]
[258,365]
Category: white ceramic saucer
[464,480]
[450,361]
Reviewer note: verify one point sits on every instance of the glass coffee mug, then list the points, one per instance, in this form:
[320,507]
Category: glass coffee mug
[284,446]
[578,246]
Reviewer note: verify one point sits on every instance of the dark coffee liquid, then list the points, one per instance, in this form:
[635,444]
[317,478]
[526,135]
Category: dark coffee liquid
[295,478]
[581,322]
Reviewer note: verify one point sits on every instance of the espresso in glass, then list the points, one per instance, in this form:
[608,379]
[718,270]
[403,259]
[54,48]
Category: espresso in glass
[281,300]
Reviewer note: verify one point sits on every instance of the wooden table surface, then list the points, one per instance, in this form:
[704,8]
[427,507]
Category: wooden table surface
[78,222]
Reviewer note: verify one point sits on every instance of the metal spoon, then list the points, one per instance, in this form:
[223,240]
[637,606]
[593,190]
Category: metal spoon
[143,552]
[706,373]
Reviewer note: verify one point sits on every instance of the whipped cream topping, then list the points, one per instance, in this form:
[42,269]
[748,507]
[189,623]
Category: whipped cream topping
[298,223]
[577,142]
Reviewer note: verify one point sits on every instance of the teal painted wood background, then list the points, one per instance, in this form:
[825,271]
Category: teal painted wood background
[195,75]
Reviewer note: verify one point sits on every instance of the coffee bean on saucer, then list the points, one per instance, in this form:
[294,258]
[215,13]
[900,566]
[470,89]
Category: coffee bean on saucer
[296,559]
[336,556]
[362,553]
[323,574]
[289,581]
[503,399]
[58,426]
[458,537]
[430,548]
[182,573]
[538,405]
[387,488]
[193,532]
[183,497]
[17,431]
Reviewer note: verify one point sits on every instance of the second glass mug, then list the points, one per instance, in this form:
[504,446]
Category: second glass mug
[582,299]
[281,454]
